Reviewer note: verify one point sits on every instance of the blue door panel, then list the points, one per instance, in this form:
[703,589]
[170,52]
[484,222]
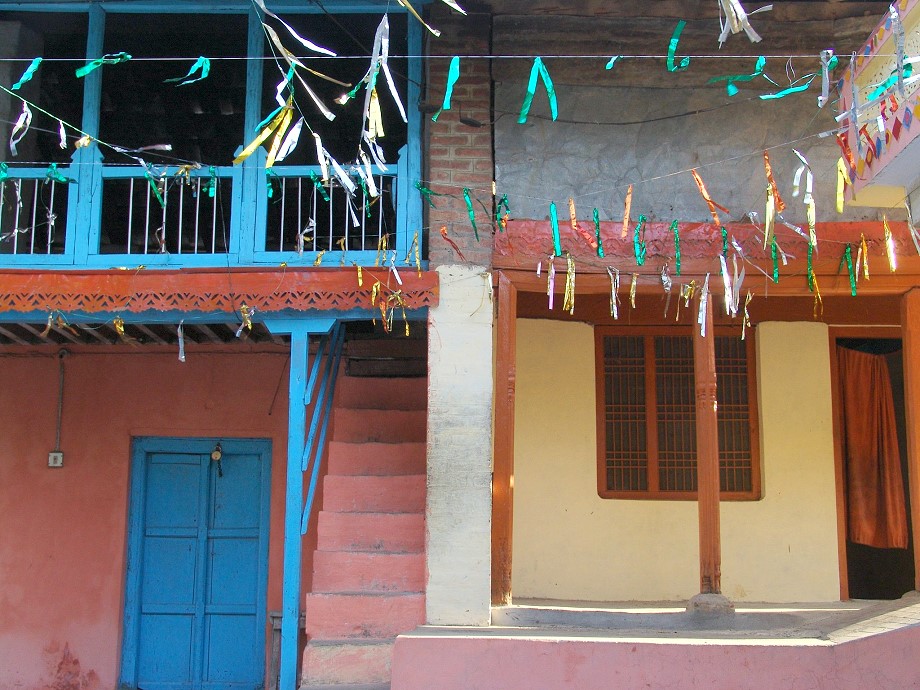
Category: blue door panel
[165,655]
[232,641]
[230,582]
[169,570]
[197,566]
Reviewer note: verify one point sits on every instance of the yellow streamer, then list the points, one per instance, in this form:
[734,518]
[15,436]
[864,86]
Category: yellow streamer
[626,208]
[841,183]
[889,246]
[282,118]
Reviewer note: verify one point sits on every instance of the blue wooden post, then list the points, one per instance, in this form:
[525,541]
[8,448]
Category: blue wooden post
[300,331]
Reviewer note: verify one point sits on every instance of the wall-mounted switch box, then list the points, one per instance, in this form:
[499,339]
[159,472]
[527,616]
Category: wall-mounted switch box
[55,459]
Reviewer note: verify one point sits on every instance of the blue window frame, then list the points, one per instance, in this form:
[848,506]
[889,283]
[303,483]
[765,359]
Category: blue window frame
[218,214]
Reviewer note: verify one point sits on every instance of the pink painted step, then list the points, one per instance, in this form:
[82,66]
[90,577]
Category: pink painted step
[353,572]
[382,393]
[353,494]
[376,458]
[340,662]
[386,426]
[379,532]
[341,616]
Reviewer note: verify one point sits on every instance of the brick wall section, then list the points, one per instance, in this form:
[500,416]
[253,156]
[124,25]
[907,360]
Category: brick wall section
[459,156]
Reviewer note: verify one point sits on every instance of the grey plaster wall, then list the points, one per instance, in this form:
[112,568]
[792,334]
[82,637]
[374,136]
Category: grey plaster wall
[542,161]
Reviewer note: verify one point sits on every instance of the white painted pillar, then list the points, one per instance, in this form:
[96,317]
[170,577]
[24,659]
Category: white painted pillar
[459,503]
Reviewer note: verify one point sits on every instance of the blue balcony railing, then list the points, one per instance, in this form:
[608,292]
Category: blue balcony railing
[95,215]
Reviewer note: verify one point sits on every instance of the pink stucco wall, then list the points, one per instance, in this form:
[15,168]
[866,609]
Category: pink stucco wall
[62,550]
[885,662]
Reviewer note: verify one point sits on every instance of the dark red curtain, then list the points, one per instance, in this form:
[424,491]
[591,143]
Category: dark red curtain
[876,514]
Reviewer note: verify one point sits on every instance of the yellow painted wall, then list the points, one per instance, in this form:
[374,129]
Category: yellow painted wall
[570,544]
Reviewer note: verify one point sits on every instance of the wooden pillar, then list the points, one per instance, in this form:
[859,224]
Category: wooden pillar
[707,454]
[910,343]
[503,450]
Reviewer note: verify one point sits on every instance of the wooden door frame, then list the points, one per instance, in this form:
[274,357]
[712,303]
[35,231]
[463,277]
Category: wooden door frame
[140,447]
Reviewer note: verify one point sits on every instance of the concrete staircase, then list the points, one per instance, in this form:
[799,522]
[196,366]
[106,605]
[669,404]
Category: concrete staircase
[369,567]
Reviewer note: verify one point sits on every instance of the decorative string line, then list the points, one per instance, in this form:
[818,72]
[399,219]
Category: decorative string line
[514,56]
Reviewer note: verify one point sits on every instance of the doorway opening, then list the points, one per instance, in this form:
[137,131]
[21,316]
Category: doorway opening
[877,571]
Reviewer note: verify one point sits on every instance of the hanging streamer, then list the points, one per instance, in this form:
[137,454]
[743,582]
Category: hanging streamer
[108,59]
[405,3]
[453,74]
[613,61]
[585,234]
[914,232]
[309,45]
[676,233]
[626,209]
[202,66]
[672,49]
[539,69]
[769,218]
[797,87]
[568,300]
[639,247]
[863,254]
[897,26]
[704,302]
[454,6]
[21,128]
[632,290]
[736,20]
[180,332]
[28,74]
[554,225]
[52,174]
[841,183]
[746,319]
[470,212]
[731,79]
[667,284]
[551,281]
[708,199]
[848,258]
[614,292]
[828,62]
[773,255]
[889,246]
[808,199]
[277,126]
[246,314]
[502,211]
[597,233]
[453,245]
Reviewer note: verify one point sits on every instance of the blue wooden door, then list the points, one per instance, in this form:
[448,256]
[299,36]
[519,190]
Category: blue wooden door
[197,565]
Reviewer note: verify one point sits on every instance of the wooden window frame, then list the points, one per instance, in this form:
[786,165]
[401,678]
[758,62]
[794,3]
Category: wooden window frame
[653,492]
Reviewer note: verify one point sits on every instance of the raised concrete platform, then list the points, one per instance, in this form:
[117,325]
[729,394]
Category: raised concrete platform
[837,646]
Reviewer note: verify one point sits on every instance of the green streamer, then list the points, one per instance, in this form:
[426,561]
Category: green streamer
[503,206]
[270,190]
[597,233]
[108,59]
[55,175]
[724,242]
[639,246]
[881,88]
[453,74]
[848,257]
[791,89]
[676,246]
[367,194]
[4,171]
[672,48]
[470,211]
[318,183]
[731,79]
[539,69]
[156,189]
[202,64]
[613,61]
[811,270]
[28,74]
[774,252]
[554,224]
[211,186]
[426,193]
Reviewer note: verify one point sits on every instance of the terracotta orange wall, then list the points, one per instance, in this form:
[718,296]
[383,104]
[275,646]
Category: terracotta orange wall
[62,551]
